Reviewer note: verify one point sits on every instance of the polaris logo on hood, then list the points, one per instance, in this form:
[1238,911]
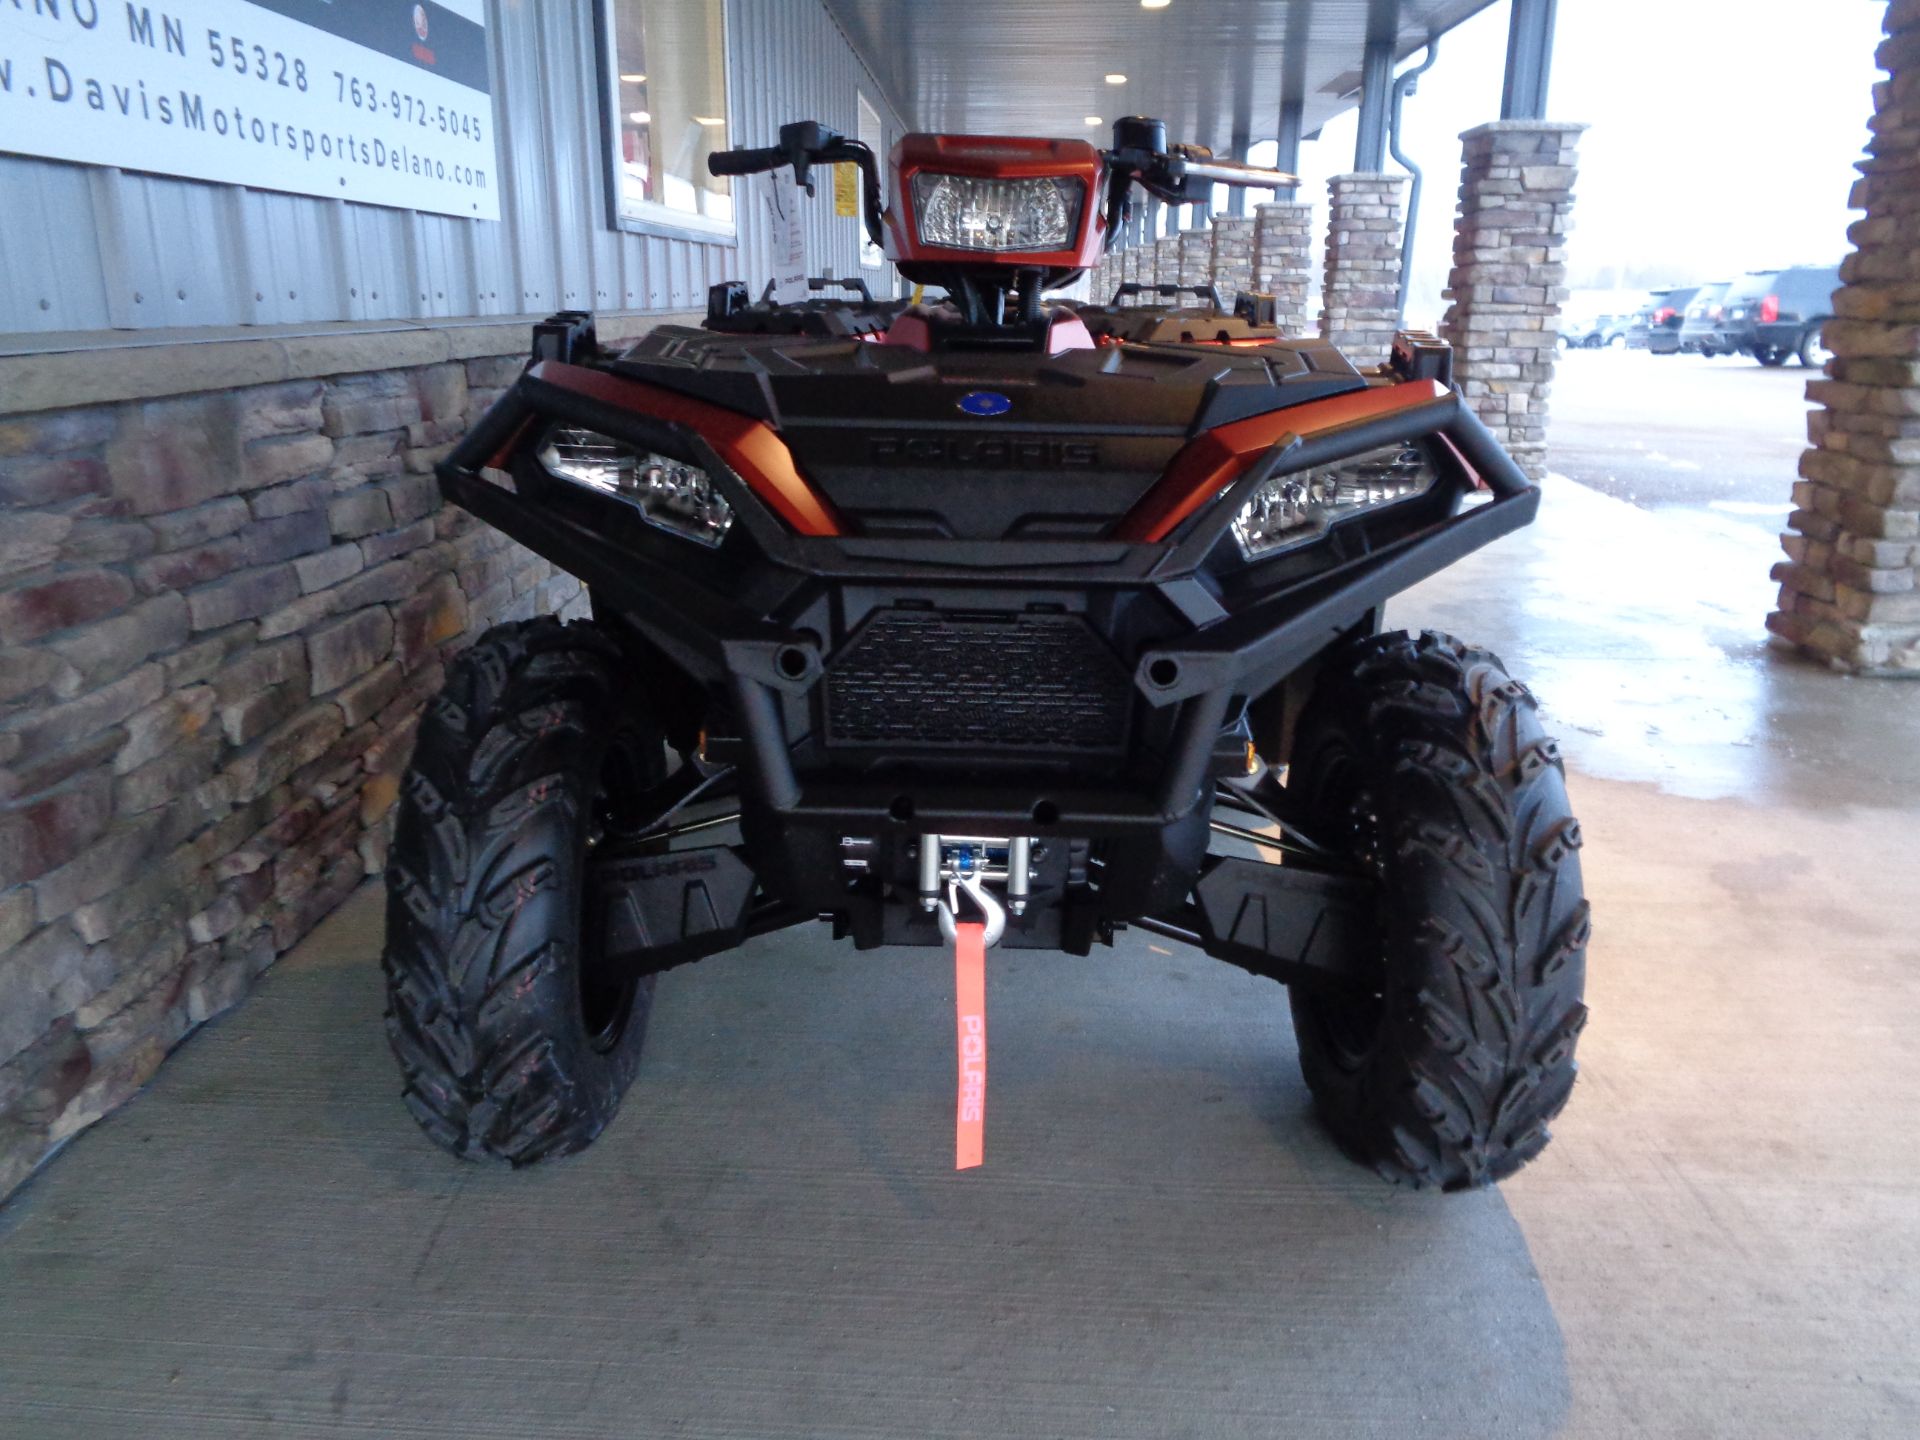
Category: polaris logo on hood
[1002,452]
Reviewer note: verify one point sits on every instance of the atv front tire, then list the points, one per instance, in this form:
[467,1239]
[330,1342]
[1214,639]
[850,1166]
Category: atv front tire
[1426,762]
[514,1043]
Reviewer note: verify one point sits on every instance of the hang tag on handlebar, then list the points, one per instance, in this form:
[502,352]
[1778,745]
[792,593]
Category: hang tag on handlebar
[780,195]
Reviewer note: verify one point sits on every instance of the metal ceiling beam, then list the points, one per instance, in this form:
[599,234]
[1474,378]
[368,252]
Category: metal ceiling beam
[1523,96]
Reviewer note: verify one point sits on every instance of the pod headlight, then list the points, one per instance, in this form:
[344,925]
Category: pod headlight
[966,212]
[669,494]
[1290,510]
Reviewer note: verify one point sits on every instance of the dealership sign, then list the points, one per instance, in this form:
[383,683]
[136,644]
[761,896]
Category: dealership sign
[381,101]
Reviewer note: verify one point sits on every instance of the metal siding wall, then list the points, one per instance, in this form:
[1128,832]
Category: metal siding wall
[85,248]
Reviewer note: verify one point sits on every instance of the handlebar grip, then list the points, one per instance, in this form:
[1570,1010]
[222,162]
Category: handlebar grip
[745,161]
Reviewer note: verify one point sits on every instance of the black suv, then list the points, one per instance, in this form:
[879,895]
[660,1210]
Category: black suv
[1662,335]
[1771,314]
[1699,332]
[1641,325]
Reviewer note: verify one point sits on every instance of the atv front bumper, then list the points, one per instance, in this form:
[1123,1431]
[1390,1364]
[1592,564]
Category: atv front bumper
[1086,693]
[768,625]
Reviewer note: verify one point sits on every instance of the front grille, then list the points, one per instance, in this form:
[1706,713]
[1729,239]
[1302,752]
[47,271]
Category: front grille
[917,678]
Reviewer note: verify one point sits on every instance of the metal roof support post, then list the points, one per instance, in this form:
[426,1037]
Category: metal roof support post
[1292,115]
[1523,96]
[1375,93]
[1237,195]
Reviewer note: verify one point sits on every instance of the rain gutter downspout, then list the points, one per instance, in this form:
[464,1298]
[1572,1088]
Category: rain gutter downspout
[1403,86]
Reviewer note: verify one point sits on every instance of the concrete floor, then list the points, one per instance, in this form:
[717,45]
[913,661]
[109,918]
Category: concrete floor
[1724,1239]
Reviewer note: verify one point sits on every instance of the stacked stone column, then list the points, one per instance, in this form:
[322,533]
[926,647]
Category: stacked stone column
[1196,258]
[1232,260]
[1360,305]
[1848,589]
[1507,281]
[1166,260]
[1100,278]
[1282,239]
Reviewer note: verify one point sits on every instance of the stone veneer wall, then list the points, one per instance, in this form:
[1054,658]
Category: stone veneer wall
[1282,268]
[1506,285]
[1360,304]
[220,615]
[1850,586]
[1232,258]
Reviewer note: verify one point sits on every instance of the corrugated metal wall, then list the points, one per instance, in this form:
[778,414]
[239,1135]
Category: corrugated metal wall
[85,248]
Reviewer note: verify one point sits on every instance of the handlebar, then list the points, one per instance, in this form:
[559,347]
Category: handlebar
[804,144]
[744,161]
[1233,172]
[1177,174]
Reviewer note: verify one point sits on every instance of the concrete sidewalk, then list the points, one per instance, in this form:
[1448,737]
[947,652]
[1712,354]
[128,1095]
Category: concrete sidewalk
[1724,1239]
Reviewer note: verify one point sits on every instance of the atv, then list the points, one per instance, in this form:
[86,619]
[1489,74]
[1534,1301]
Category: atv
[954,619]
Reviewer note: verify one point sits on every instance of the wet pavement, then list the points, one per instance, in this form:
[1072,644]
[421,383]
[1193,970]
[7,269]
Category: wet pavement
[1685,432]
[1635,607]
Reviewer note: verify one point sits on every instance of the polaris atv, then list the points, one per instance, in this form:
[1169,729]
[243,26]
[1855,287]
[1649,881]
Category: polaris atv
[918,619]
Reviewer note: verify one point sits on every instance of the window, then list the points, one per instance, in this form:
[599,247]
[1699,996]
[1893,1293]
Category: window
[874,138]
[667,78]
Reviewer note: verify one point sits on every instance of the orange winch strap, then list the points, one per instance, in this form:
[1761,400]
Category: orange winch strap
[970,1009]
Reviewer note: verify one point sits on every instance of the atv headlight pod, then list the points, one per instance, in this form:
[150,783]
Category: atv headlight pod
[1289,510]
[967,212]
[669,494]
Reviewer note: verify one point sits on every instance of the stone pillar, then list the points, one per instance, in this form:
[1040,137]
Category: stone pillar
[1130,263]
[1848,588]
[1282,237]
[1232,256]
[1516,204]
[1358,308]
[1166,260]
[1196,258]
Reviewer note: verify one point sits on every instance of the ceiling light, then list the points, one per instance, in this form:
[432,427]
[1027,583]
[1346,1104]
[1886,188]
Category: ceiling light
[707,119]
[1154,4]
[1095,120]
[639,117]
[1116,79]
[633,79]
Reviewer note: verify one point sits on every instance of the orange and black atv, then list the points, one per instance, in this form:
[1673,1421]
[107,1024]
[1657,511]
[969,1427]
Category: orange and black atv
[909,620]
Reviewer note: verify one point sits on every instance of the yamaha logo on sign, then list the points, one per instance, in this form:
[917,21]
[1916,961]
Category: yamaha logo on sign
[985,403]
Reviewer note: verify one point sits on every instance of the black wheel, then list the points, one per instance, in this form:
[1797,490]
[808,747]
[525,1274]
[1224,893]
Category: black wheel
[514,1041]
[1770,356]
[1812,351]
[1426,762]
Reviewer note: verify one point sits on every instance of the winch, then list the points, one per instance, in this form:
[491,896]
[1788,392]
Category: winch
[951,865]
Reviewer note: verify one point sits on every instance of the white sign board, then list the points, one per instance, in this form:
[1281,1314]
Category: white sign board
[780,195]
[382,101]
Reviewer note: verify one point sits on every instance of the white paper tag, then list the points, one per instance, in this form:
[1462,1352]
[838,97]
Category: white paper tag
[781,196]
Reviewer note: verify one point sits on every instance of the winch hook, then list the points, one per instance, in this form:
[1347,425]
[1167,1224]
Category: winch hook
[993,914]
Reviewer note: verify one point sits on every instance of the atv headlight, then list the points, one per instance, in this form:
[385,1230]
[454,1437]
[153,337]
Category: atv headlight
[668,493]
[1289,510]
[963,212]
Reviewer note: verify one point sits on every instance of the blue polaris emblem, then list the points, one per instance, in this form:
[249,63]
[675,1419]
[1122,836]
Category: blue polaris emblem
[985,402]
